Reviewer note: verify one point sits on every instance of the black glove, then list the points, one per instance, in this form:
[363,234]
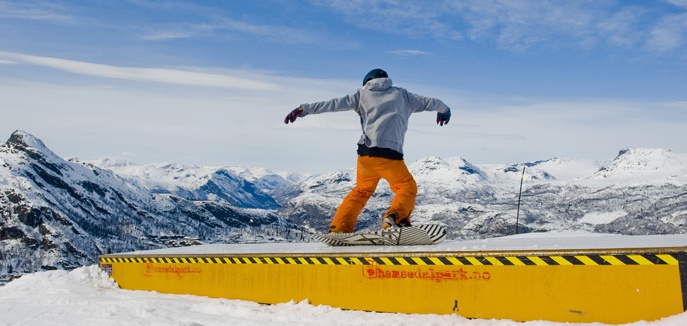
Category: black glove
[291,117]
[443,118]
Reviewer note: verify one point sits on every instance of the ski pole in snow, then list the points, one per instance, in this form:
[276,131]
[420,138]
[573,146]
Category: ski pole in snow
[517,216]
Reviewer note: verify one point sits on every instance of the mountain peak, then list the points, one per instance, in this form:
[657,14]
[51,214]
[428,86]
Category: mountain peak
[642,152]
[31,146]
[642,158]
[22,140]
[632,163]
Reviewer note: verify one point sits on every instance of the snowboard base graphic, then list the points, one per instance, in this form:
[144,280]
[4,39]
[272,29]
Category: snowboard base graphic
[420,234]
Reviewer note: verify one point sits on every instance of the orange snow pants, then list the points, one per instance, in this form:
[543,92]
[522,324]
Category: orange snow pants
[369,171]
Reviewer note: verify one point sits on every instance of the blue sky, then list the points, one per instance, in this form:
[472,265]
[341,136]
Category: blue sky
[208,82]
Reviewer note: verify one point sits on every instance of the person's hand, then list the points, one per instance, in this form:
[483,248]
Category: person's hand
[443,118]
[291,117]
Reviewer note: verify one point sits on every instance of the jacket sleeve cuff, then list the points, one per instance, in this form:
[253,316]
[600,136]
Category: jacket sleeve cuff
[306,109]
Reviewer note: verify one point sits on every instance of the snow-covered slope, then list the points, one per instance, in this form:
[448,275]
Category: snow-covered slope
[645,165]
[62,214]
[59,297]
[199,183]
[555,169]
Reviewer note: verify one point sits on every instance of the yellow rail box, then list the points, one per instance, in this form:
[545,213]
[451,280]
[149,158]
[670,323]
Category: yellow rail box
[573,285]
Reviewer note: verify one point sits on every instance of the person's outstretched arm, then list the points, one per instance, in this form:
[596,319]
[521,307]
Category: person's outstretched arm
[346,103]
[420,103]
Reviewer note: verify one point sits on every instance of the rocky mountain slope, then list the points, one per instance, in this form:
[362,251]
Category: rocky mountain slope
[62,214]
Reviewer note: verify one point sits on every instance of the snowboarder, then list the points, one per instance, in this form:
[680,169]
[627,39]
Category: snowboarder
[384,111]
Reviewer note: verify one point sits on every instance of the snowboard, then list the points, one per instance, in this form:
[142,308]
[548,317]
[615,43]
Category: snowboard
[420,234]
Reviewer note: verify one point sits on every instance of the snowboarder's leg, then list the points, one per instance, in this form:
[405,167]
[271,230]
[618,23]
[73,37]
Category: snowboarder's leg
[347,214]
[404,188]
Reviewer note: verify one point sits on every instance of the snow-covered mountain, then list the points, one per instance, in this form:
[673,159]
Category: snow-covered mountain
[197,183]
[260,187]
[56,213]
[638,165]
[62,214]
[641,191]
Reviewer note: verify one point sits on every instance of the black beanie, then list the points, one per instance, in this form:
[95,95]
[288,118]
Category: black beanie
[374,73]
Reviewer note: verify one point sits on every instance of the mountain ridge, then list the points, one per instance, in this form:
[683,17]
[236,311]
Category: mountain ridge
[62,214]
[57,213]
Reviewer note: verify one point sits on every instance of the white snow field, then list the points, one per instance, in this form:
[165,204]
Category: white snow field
[87,296]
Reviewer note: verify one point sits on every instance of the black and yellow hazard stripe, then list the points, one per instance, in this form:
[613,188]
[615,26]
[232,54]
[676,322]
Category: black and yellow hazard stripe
[677,258]
[505,260]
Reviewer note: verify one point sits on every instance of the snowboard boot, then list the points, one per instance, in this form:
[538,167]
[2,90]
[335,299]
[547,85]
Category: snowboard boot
[391,220]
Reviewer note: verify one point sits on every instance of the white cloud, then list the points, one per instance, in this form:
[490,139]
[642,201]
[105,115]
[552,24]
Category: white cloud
[157,75]
[414,18]
[409,53]
[679,3]
[35,11]
[226,27]
[201,20]
[182,31]
[669,34]
[620,30]
[520,25]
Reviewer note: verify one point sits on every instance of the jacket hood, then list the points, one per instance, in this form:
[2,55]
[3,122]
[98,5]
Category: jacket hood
[378,84]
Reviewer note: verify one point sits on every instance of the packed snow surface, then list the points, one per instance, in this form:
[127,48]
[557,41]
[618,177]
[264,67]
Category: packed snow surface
[601,218]
[570,240]
[87,296]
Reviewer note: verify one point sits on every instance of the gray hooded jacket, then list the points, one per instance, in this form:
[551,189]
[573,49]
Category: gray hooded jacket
[384,111]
